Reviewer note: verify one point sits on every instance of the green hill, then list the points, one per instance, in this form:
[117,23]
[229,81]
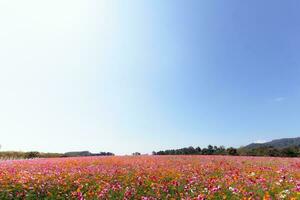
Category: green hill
[278,143]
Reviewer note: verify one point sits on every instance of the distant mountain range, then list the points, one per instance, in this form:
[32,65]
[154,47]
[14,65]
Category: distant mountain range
[278,143]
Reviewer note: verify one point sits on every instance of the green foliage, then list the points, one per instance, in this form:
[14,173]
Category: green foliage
[32,154]
[210,150]
[278,143]
[77,153]
[27,155]
[86,153]
[232,151]
[11,155]
[293,151]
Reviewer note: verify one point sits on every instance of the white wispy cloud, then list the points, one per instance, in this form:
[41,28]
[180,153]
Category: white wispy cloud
[260,141]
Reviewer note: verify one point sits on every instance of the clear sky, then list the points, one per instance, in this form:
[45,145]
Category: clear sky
[126,76]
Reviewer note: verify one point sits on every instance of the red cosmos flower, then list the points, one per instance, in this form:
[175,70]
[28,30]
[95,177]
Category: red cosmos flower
[298,187]
[200,197]
[80,196]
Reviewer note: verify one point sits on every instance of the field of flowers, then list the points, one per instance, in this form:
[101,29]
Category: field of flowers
[151,177]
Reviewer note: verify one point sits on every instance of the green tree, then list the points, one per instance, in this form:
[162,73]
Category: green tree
[232,151]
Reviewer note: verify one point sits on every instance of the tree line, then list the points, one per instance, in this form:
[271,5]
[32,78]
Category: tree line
[86,153]
[27,155]
[293,151]
[210,150]
[36,154]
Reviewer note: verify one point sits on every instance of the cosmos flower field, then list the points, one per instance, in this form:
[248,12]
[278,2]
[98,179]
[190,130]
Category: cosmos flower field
[151,177]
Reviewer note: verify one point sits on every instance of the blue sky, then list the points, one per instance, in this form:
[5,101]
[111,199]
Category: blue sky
[147,75]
